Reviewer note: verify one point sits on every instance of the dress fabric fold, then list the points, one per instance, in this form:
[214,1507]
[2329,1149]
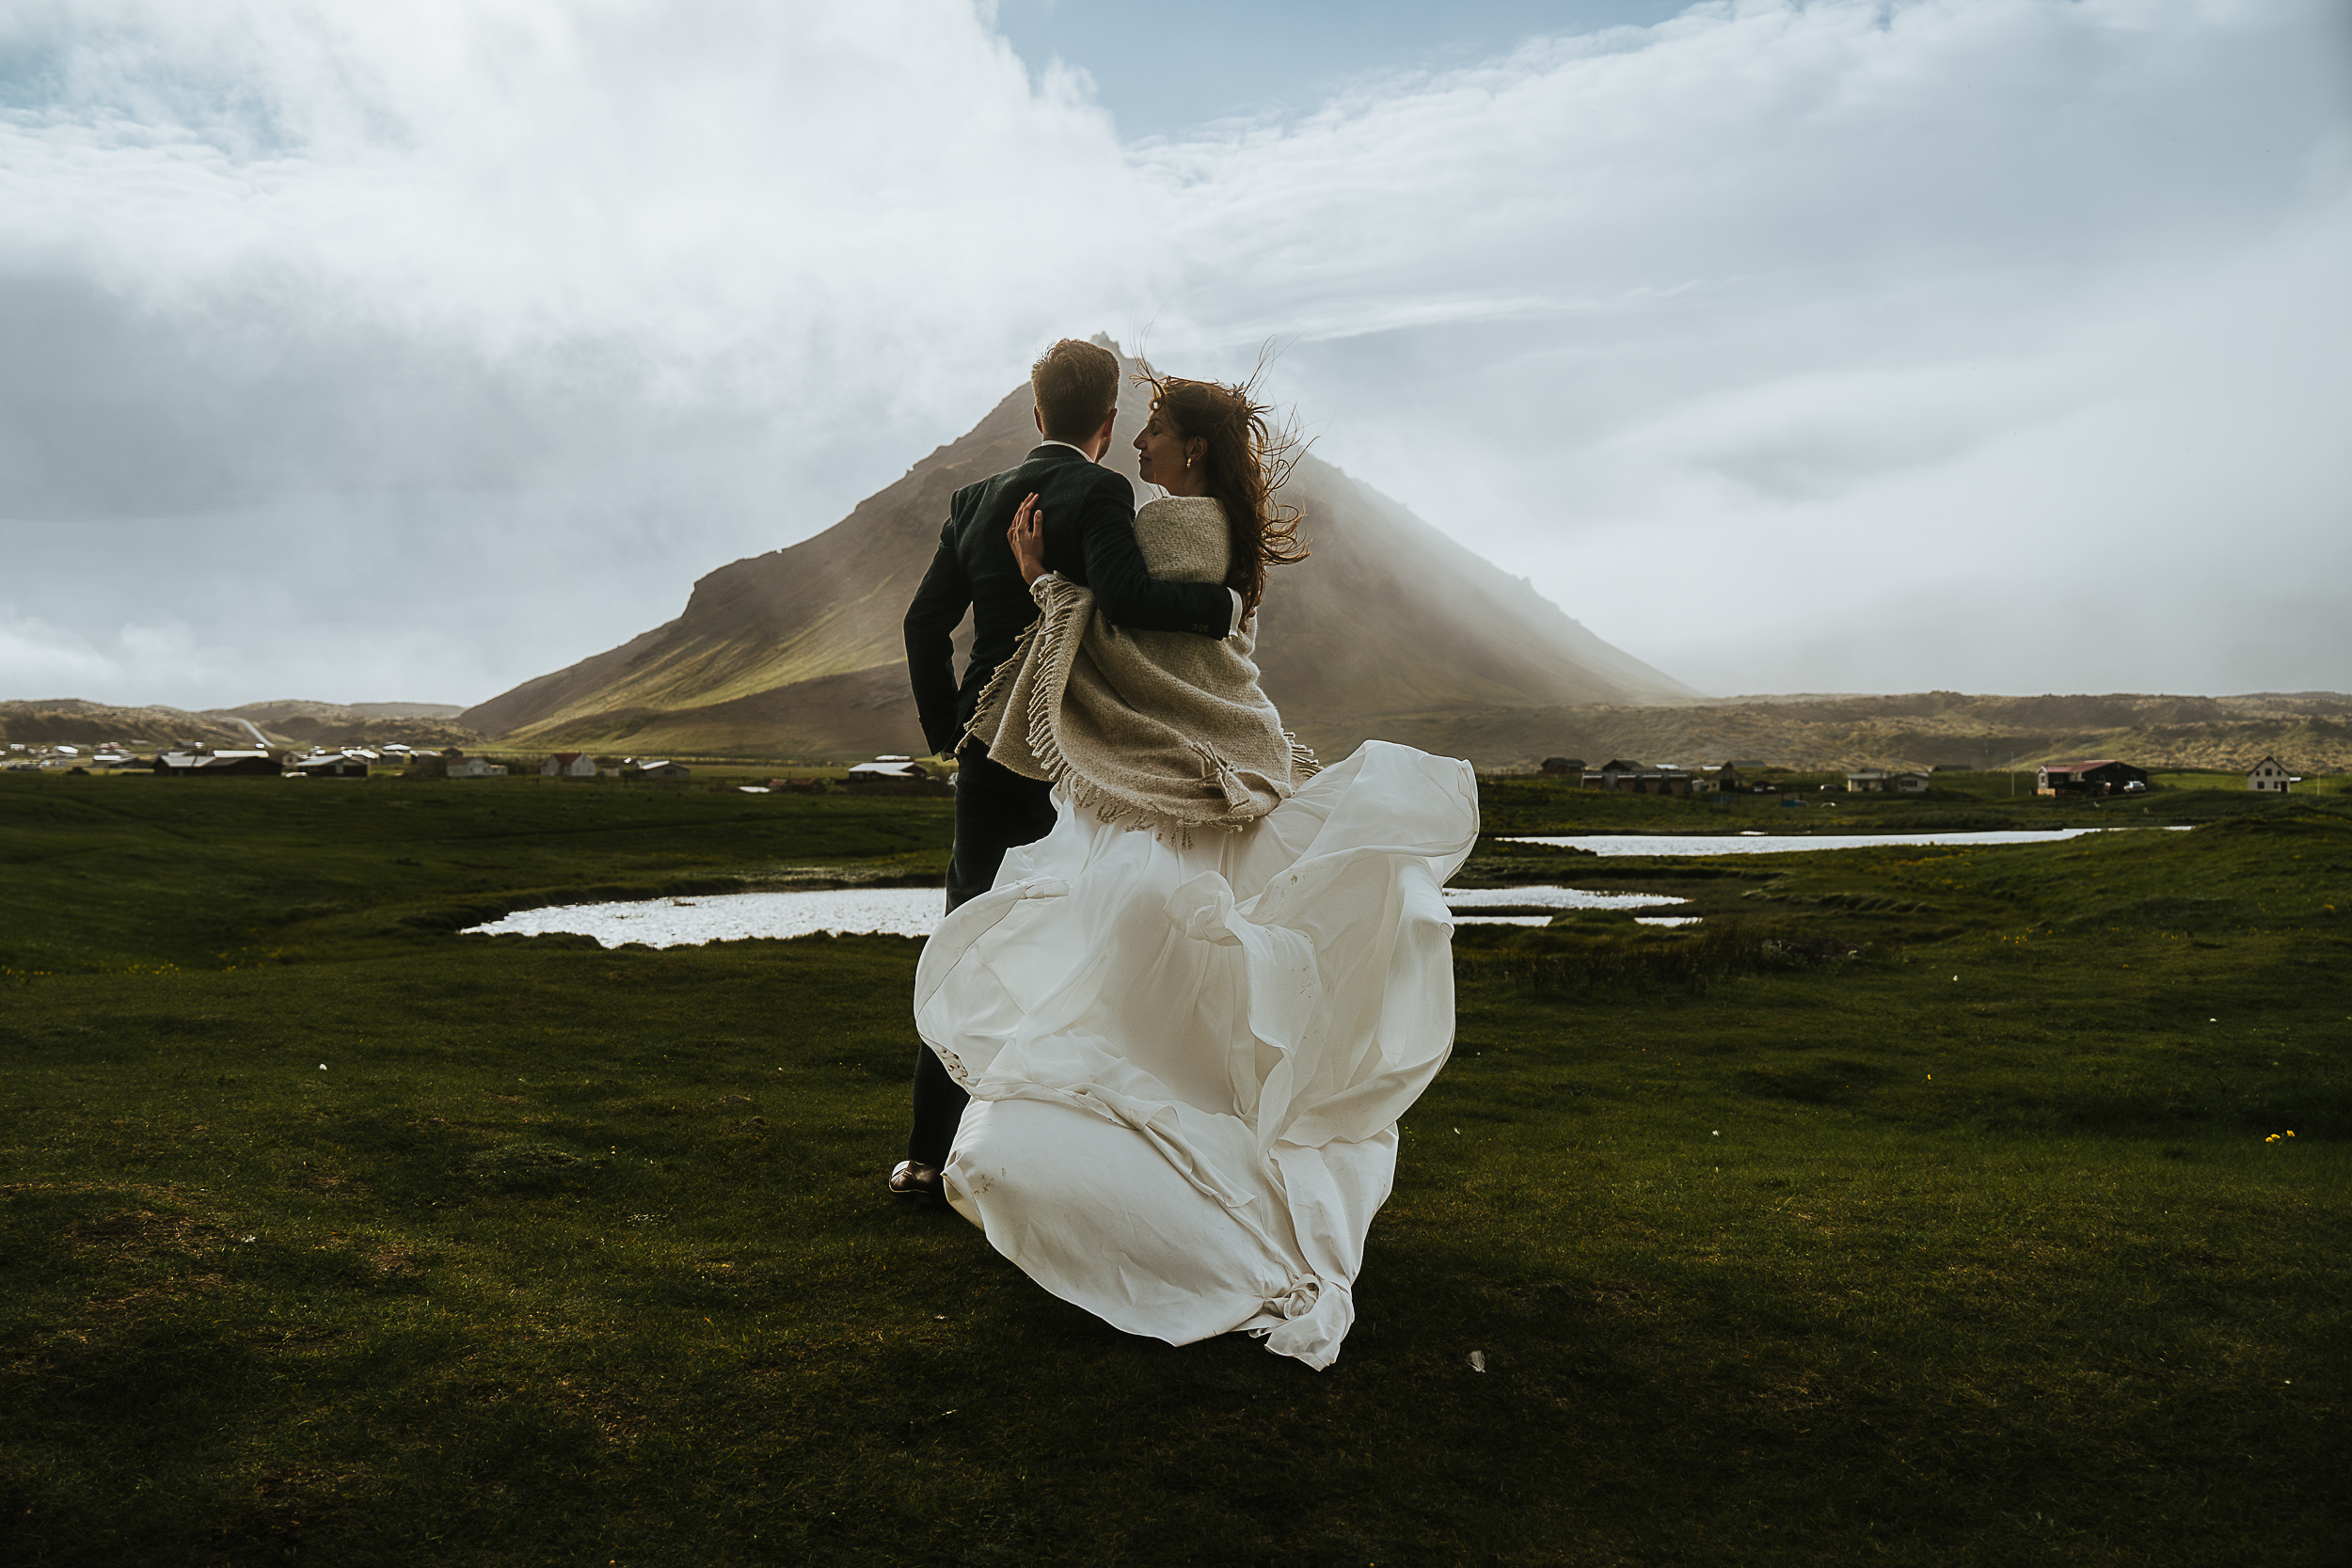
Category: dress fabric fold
[1187,1059]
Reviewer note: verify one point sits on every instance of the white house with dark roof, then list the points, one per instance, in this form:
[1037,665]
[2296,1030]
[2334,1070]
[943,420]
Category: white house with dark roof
[2270,775]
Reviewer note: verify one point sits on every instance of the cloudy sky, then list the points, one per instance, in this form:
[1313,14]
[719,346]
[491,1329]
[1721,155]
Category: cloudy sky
[402,353]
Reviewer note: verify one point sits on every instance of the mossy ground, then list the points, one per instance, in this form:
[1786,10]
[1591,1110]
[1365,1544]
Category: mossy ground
[1919,1207]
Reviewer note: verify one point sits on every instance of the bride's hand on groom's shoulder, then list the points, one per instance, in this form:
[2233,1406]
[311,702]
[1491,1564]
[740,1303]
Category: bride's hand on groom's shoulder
[1028,538]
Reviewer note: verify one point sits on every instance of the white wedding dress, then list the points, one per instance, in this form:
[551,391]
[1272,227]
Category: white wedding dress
[1186,1063]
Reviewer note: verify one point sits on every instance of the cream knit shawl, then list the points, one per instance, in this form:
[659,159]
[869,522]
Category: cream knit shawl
[1161,730]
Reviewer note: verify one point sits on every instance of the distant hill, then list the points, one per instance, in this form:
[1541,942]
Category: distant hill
[798,653]
[348,713]
[2310,732]
[72,721]
[300,721]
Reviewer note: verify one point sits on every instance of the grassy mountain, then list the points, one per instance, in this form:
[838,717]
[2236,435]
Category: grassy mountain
[797,652]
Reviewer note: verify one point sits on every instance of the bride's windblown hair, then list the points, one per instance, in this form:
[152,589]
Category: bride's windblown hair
[1248,461]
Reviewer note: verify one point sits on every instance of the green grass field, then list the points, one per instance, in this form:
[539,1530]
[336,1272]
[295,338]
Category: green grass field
[1920,1206]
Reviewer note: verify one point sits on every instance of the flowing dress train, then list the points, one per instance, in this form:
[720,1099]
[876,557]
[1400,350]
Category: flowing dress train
[1187,1058]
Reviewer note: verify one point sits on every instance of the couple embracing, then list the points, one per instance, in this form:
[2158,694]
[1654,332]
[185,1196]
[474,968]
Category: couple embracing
[1187,981]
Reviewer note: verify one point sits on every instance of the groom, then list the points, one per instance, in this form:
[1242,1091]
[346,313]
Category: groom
[1089,515]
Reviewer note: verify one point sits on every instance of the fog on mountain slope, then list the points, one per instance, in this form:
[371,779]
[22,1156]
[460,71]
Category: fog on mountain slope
[799,652]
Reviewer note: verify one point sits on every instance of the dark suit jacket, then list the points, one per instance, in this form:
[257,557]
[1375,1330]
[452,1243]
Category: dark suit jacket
[1090,538]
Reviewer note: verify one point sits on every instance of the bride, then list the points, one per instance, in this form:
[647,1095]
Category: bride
[1190,1015]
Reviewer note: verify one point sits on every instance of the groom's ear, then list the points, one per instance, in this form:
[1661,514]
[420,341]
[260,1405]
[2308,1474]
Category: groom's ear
[1038,415]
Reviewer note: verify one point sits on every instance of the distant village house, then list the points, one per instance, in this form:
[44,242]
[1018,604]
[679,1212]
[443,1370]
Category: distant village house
[568,764]
[214,765]
[655,769]
[1633,778]
[474,767]
[1558,766]
[341,765]
[2099,776]
[2270,775]
[1878,781]
[894,776]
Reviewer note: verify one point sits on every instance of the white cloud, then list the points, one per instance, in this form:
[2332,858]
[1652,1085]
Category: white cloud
[319,300]
[1818,328]
[38,659]
[470,243]
[2147,502]
[1803,324]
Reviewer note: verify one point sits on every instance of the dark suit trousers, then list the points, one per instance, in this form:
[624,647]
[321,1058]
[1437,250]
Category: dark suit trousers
[995,810]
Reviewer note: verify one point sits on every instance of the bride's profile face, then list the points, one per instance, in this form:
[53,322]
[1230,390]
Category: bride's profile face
[1160,454]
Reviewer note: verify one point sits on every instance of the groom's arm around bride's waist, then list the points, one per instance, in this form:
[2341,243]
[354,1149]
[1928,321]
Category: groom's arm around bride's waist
[1089,539]
[1110,562]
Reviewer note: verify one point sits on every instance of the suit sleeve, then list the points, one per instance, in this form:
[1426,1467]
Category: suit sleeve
[1125,591]
[931,623]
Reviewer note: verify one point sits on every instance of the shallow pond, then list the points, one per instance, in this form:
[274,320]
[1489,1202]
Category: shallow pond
[899,911]
[1465,901]
[912,911]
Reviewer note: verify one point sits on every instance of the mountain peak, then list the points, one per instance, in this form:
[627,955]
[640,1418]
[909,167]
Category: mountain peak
[797,652]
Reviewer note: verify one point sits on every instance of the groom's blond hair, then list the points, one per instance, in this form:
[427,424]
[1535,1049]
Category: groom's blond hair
[1076,386]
